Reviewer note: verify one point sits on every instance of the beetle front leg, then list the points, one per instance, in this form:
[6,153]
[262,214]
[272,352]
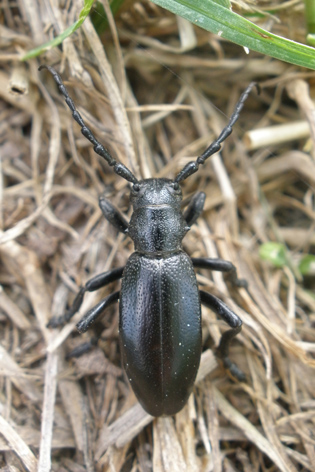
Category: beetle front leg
[99,281]
[195,208]
[221,266]
[233,320]
[113,215]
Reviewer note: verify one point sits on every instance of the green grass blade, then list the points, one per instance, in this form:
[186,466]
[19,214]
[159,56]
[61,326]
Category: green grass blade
[310,16]
[212,16]
[71,29]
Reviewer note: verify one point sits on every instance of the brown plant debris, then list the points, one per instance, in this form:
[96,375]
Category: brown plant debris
[156,91]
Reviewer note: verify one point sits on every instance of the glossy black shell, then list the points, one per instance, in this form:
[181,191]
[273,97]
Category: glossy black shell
[160,326]
[160,330]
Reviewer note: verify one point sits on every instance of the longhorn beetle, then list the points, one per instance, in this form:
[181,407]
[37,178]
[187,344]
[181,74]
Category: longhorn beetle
[160,304]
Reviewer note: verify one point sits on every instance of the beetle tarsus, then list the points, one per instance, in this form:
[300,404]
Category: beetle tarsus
[232,277]
[234,370]
[56,322]
[233,320]
[83,348]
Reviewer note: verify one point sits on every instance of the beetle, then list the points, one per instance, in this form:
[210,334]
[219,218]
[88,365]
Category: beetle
[160,303]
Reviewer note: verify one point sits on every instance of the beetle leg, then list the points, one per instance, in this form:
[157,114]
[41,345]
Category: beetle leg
[195,207]
[90,318]
[83,348]
[99,281]
[222,266]
[113,215]
[233,320]
[98,310]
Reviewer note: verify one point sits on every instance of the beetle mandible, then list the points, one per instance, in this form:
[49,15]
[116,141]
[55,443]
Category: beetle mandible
[160,304]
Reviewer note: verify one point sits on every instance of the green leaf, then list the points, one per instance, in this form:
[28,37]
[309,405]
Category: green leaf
[99,18]
[213,17]
[98,15]
[70,30]
[275,253]
[307,265]
[223,3]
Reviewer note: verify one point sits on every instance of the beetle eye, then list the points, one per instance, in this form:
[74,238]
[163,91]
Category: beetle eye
[138,190]
[175,188]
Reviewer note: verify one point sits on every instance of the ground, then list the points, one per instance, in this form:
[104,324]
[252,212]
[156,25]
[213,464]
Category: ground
[156,98]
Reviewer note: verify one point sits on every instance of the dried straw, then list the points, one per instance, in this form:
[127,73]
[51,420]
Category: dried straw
[156,91]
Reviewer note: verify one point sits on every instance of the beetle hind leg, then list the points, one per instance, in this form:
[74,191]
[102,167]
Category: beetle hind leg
[90,317]
[234,321]
[99,281]
[96,312]
[83,348]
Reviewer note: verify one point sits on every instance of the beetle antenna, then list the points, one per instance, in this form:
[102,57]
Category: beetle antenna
[118,168]
[215,146]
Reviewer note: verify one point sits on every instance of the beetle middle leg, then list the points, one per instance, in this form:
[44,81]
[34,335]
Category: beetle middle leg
[99,281]
[233,320]
[220,265]
[191,214]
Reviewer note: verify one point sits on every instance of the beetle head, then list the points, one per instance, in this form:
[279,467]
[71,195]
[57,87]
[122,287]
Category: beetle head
[152,192]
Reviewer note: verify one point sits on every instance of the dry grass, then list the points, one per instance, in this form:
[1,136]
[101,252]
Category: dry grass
[156,101]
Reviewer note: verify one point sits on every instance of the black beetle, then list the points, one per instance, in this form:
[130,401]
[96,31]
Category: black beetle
[160,304]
